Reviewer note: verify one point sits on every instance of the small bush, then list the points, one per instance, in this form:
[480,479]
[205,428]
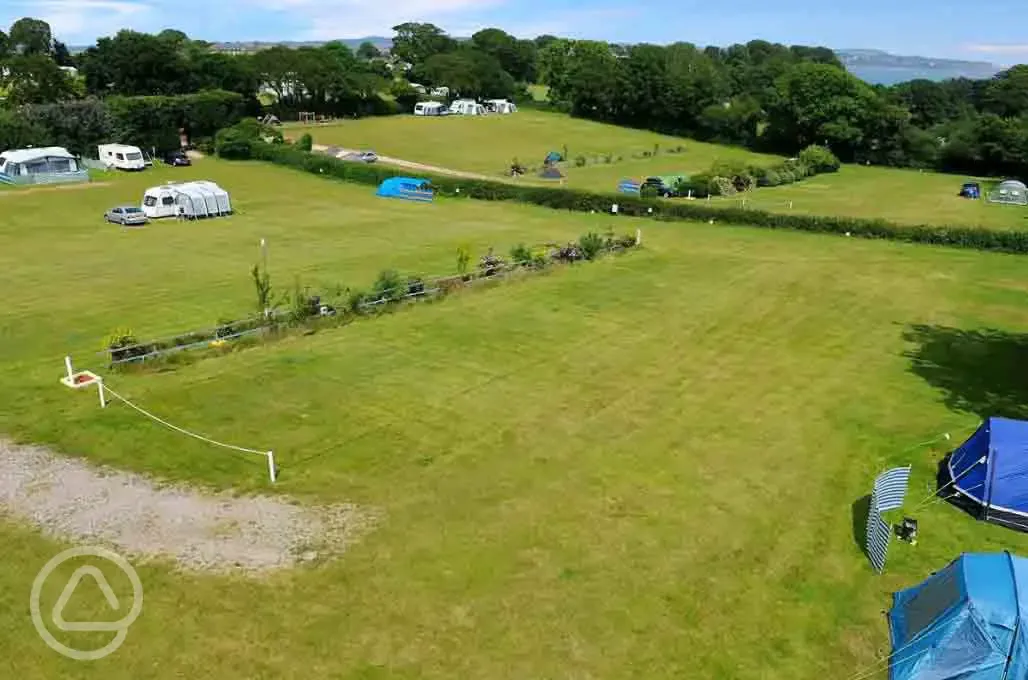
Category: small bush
[305,143]
[721,186]
[521,255]
[123,346]
[649,191]
[463,259]
[388,287]
[820,159]
[356,300]
[769,177]
[590,245]
[580,161]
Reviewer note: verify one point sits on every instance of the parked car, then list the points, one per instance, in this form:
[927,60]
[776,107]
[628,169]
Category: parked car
[126,215]
[177,159]
[368,156]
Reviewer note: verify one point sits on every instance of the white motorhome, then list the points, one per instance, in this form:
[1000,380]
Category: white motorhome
[121,156]
[189,200]
[430,109]
[500,106]
[467,107]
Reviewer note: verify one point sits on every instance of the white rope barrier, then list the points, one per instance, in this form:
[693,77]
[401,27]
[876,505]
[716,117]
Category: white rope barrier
[269,455]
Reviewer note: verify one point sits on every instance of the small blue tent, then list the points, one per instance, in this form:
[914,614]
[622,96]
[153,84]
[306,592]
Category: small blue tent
[408,188]
[968,621]
[989,472]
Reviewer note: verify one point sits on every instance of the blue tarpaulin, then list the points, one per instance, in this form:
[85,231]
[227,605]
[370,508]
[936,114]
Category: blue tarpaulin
[990,472]
[966,621]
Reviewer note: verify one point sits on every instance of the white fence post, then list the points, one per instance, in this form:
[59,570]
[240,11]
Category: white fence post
[67,365]
[638,237]
[100,391]
[271,466]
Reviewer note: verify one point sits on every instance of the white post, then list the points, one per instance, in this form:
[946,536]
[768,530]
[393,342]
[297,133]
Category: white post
[67,365]
[100,391]
[638,237]
[790,205]
[271,466]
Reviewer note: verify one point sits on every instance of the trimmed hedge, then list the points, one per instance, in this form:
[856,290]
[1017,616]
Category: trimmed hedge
[977,238]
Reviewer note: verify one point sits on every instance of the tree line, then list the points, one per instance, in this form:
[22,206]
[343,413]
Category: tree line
[776,98]
[761,95]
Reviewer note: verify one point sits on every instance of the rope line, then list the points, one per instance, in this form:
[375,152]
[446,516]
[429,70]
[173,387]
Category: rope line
[180,430]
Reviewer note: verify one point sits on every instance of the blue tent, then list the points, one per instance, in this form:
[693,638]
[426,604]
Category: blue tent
[989,472]
[408,188]
[967,621]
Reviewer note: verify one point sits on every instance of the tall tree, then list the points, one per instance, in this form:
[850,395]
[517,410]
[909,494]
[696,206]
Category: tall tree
[515,57]
[368,51]
[415,43]
[36,79]
[61,54]
[134,63]
[30,36]
[1007,93]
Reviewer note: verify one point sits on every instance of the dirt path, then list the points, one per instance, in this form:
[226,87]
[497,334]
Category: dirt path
[411,165]
[71,500]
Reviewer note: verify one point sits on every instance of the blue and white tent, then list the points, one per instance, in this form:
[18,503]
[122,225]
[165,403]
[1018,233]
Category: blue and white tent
[989,472]
[966,622]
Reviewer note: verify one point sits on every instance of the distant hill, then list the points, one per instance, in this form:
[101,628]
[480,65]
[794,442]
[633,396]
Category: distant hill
[881,68]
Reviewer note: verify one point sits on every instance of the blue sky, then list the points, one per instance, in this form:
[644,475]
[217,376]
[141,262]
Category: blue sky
[940,28]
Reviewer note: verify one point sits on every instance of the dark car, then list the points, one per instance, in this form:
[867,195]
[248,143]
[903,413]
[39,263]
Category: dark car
[177,159]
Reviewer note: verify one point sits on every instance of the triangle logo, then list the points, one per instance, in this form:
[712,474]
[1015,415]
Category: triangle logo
[69,589]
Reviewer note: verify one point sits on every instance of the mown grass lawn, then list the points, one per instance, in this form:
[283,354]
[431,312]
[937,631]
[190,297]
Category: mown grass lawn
[488,144]
[645,467]
[904,196]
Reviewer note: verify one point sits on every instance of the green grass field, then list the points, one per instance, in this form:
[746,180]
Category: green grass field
[488,144]
[646,467]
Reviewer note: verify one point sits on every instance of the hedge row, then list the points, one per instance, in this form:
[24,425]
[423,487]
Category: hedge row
[977,238]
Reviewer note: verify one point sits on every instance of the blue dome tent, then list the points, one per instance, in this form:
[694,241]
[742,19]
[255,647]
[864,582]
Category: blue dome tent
[968,621]
[989,472]
[407,188]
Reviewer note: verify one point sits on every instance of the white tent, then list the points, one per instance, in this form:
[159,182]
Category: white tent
[500,106]
[1011,191]
[191,200]
[467,107]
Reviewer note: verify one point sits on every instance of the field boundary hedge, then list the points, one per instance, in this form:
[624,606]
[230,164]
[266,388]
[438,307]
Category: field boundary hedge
[977,238]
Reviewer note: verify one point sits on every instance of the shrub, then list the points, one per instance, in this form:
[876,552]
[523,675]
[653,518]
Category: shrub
[819,159]
[388,287]
[356,300]
[123,346]
[305,143]
[769,177]
[786,176]
[463,259]
[580,161]
[521,255]
[721,186]
[262,288]
[649,191]
[590,245]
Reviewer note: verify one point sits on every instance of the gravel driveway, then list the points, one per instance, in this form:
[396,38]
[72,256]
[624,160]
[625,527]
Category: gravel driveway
[71,500]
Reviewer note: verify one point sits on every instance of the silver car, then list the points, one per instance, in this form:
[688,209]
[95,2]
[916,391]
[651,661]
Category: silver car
[126,215]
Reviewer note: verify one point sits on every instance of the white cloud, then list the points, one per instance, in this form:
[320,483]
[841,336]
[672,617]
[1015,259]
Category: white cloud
[82,20]
[327,19]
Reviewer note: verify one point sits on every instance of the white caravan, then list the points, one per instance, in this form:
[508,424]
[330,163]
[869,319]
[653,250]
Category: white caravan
[121,156]
[430,109]
[189,200]
[467,107]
